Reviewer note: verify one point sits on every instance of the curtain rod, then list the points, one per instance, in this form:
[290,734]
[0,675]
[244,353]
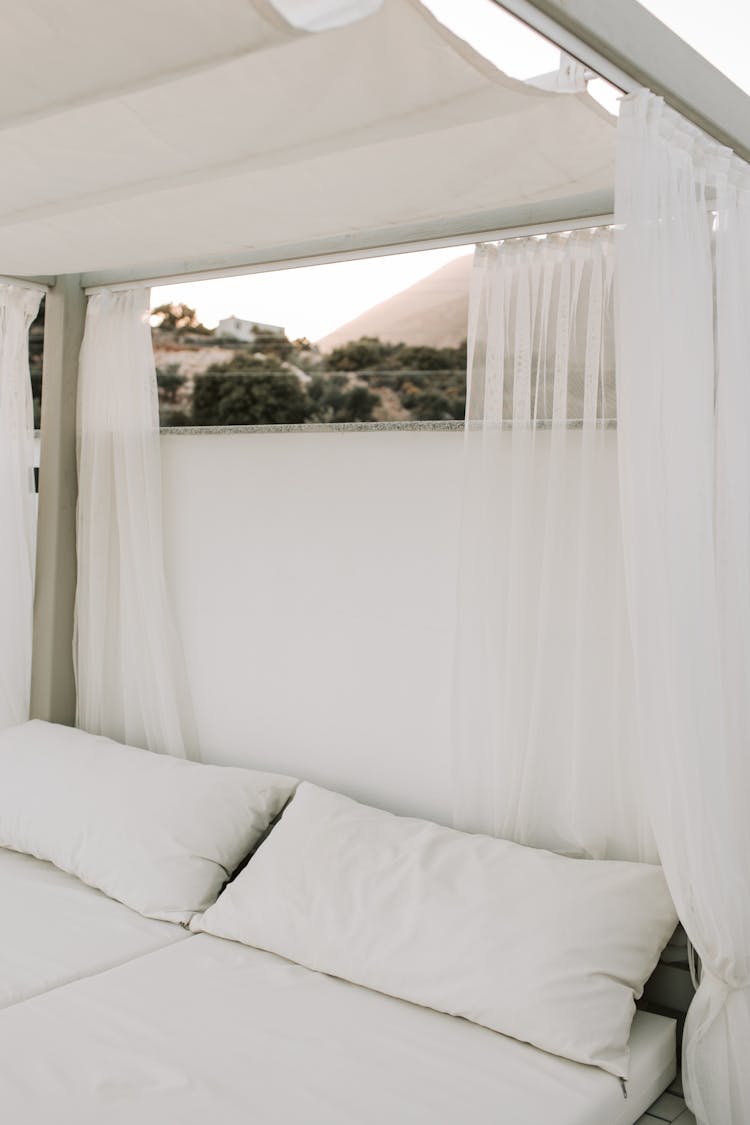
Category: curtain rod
[22,283]
[553,30]
[443,241]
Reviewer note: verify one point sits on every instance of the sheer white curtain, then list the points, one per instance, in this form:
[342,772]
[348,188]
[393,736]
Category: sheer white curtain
[130,673]
[544,741]
[18,307]
[683,203]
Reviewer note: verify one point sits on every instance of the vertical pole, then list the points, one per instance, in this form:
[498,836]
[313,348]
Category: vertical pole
[53,695]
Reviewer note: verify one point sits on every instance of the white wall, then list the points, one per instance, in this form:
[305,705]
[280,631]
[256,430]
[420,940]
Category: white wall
[314,578]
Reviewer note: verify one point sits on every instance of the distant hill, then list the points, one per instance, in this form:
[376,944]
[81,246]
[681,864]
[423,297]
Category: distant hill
[432,312]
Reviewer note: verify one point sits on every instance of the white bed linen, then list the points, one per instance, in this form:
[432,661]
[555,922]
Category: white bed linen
[157,833]
[212,1031]
[512,938]
[54,929]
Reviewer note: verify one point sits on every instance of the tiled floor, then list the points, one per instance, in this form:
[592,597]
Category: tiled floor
[669,1107]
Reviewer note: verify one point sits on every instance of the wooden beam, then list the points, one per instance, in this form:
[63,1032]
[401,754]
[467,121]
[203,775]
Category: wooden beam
[53,695]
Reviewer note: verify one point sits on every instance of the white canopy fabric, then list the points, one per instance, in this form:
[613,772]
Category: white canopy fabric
[133,135]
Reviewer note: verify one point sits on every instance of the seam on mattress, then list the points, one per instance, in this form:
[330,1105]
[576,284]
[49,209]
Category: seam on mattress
[94,973]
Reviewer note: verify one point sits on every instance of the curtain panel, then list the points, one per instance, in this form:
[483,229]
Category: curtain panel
[544,738]
[683,293]
[18,307]
[130,673]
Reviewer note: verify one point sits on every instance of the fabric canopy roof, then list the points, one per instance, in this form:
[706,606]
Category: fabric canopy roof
[134,135]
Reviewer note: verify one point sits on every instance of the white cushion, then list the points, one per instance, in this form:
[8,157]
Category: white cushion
[159,834]
[547,949]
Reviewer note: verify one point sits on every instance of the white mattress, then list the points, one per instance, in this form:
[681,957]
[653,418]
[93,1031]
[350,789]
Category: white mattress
[211,1031]
[54,929]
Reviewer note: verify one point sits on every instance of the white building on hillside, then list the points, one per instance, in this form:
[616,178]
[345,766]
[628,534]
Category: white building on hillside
[248,331]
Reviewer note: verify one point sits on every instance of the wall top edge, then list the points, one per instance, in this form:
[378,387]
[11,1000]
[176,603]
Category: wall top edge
[314,428]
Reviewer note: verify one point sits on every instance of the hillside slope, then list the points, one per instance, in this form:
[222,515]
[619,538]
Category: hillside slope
[432,312]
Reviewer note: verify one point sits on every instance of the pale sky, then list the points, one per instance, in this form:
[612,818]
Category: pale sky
[314,300]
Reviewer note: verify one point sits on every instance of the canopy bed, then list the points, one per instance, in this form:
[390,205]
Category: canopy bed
[598,693]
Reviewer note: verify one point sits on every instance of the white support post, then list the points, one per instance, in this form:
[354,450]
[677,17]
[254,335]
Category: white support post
[53,694]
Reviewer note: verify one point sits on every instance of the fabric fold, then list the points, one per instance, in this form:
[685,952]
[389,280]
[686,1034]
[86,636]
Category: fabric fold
[18,307]
[544,739]
[130,673]
[683,388]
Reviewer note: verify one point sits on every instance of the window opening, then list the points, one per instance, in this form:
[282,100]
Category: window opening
[380,339]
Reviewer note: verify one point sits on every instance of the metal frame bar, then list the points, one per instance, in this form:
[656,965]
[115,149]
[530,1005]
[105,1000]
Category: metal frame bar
[631,48]
[594,209]
[38,284]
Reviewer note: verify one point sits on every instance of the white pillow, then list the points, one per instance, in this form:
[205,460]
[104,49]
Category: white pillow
[159,834]
[543,948]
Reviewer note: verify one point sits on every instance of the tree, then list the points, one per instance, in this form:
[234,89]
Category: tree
[430,382]
[358,355]
[36,351]
[36,395]
[249,400]
[249,363]
[330,401]
[273,343]
[425,359]
[432,405]
[357,406]
[169,382]
[179,318]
